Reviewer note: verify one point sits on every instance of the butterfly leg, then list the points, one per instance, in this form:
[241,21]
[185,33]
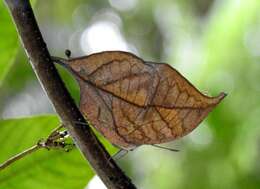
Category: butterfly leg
[165,148]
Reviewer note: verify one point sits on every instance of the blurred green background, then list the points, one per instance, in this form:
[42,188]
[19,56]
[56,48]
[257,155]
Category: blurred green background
[214,43]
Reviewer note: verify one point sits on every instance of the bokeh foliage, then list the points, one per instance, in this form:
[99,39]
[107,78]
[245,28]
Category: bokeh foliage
[8,45]
[215,44]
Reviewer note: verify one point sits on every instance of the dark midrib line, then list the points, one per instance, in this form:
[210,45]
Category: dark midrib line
[132,103]
[139,106]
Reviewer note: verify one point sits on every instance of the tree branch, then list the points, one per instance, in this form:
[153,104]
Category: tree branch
[40,59]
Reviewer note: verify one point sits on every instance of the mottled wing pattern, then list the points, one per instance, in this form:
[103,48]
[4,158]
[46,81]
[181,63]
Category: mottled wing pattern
[132,102]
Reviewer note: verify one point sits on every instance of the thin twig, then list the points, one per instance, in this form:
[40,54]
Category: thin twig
[30,35]
[20,156]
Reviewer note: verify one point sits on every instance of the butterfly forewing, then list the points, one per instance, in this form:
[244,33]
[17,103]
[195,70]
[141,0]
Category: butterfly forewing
[133,102]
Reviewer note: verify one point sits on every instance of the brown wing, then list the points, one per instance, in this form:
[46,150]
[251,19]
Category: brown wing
[132,102]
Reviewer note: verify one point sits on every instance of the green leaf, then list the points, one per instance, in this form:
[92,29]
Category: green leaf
[9,42]
[42,169]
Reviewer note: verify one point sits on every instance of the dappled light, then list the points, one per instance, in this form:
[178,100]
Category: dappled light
[101,36]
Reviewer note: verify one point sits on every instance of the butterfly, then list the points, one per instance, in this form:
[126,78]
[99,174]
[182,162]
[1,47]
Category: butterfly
[132,102]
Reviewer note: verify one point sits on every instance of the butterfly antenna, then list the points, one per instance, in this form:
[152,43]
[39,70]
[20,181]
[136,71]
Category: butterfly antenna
[165,148]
